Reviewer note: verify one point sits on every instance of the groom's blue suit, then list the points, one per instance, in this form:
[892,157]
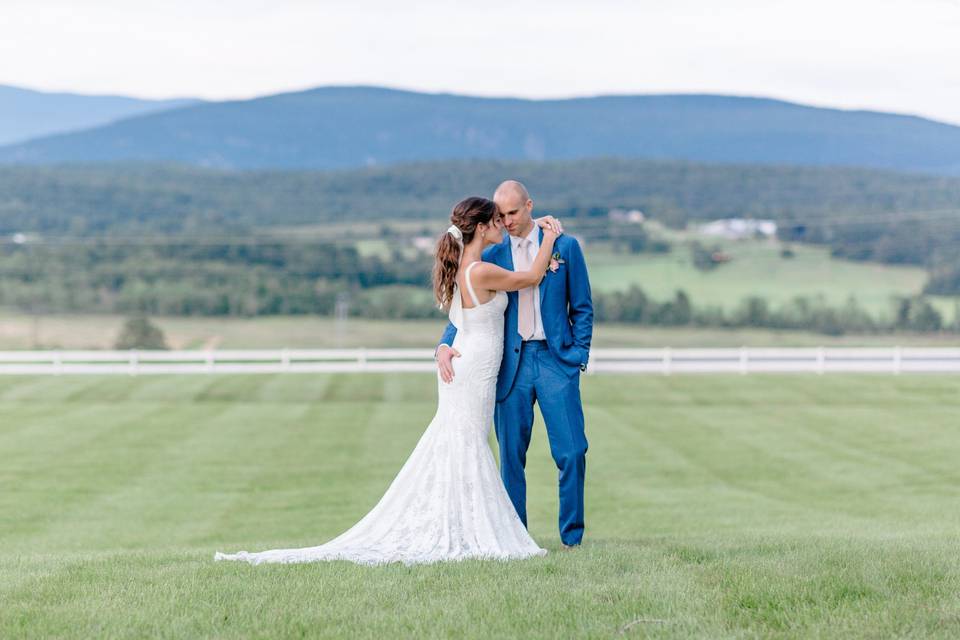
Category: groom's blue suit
[546,372]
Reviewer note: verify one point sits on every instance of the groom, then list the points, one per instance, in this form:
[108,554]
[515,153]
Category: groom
[547,336]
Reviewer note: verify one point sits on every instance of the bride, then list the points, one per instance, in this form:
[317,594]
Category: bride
[448,501]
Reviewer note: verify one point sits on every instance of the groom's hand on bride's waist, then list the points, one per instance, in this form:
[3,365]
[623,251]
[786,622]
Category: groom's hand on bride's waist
[445,356]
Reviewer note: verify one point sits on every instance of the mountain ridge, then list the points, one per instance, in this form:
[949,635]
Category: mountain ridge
[356,125]
[27,114]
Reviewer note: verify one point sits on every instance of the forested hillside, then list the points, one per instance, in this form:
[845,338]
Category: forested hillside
[849,206]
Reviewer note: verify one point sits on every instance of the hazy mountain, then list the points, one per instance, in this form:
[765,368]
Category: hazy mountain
[26,114]
[339,127]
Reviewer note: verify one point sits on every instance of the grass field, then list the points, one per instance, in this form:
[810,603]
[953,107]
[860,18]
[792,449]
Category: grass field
[18,331]
[718,507]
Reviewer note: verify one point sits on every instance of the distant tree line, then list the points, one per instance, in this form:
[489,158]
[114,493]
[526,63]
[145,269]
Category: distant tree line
[184,278]
[268,278]
[801,313]
[807,201]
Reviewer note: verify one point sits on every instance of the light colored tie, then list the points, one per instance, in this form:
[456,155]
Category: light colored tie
[525,319]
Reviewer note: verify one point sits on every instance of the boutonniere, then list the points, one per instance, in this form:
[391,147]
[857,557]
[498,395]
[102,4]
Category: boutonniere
[556,261]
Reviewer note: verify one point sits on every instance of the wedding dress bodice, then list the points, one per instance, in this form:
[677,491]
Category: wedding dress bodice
[479,340]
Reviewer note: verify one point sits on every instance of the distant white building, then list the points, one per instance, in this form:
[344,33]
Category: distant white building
[424,243]
[739,228]
[634,216]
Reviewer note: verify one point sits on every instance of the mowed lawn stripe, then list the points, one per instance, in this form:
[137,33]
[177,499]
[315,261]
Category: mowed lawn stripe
[75,458]
[147,464]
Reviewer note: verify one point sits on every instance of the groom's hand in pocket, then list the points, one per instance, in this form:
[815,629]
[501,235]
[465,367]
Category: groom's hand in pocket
[445,356]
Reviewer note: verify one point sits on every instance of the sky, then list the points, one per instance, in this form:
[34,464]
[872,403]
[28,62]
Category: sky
[887,55]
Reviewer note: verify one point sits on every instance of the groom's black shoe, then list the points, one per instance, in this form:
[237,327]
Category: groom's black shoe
[570,547]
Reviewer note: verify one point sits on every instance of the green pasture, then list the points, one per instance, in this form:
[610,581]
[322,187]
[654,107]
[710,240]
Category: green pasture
[756,268]
[717,507]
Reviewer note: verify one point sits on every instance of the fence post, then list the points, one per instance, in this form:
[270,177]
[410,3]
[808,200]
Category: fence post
[362,359]
[897,361]
[821,360]
[285,359]
[57,363]
[743,361]
[134,360]
[208,357]
[667,361]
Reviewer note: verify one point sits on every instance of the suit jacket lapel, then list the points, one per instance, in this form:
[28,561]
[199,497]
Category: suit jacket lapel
[508,254]
[543,283]
[506,261]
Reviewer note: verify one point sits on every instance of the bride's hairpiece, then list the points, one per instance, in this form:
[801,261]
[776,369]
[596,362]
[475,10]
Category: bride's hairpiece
[454,230]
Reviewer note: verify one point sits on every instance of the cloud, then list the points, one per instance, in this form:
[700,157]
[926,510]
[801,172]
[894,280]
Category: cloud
[886,54]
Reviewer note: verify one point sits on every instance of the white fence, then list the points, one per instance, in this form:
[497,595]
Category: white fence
[665,361]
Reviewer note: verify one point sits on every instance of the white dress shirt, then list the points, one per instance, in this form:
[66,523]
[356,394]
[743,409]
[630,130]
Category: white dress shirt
[532,248]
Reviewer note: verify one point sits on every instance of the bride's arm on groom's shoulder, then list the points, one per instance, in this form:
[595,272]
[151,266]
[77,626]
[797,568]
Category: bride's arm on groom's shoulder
[494,278]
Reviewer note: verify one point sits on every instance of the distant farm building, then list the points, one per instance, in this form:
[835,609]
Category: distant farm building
[633,216]
[425,244]
[740,228]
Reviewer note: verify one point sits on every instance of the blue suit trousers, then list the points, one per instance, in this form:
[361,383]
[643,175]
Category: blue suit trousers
[542,379]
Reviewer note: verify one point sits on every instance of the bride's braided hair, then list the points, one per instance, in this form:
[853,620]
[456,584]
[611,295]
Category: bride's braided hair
[466,215]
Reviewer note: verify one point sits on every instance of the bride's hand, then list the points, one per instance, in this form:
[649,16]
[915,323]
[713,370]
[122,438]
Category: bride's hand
[445,356]
[551,223]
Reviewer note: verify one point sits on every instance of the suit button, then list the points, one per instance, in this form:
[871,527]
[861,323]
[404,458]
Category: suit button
[516,349]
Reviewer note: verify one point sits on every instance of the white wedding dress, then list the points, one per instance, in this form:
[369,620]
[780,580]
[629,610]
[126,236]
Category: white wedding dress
[448,501]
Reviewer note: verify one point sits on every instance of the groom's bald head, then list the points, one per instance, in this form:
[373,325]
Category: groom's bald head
[511,189]
[513,201]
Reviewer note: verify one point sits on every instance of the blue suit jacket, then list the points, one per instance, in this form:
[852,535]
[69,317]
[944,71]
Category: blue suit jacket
[565,306]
